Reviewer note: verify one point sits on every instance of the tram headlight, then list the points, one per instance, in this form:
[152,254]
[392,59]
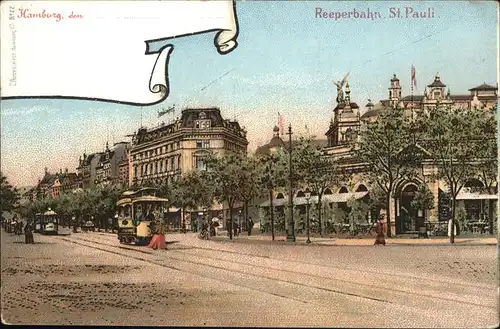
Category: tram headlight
[125,222]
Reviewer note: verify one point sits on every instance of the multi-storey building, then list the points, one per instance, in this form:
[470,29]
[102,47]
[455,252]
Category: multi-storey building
[103,168]
[53,185]
[123,170]
[342,141]
[87,169]
[163,153]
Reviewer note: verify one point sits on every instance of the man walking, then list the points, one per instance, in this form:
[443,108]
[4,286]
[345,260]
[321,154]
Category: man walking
[235,228]
[250,226]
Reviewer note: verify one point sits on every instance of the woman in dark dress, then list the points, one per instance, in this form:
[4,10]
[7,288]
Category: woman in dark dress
[381,230]
[28,234]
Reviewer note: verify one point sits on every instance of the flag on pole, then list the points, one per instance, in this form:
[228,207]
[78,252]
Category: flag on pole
[413,77]
[281,124]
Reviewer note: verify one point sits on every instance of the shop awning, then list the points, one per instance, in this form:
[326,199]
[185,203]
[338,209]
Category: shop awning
[344,197]
[476,196]
[330,198]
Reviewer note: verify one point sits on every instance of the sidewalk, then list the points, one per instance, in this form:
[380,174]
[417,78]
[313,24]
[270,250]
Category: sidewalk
[365,241]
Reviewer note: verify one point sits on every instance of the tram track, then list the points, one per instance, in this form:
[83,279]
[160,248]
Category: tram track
[350,282]
[354,270]
[394,293]
[376,273]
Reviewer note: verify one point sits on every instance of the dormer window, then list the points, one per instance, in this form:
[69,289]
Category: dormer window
[437,94]
[202,124]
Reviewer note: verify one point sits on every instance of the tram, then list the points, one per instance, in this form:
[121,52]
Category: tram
[37,220]
[50,221]
[136,210]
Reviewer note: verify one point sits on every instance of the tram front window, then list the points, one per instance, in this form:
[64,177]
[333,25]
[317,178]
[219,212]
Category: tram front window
[51,220]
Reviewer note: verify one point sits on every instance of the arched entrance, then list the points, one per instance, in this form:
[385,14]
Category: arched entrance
[410,219]
[475,208]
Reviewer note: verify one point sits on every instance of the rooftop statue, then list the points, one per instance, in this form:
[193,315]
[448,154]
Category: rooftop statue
[340,85]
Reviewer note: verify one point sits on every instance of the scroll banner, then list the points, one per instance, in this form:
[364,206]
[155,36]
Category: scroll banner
[105,50]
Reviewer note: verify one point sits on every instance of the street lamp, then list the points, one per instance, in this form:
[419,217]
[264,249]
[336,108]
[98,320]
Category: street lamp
[239,221]
[308,197]
[206,219]
[271,160]
[291,225]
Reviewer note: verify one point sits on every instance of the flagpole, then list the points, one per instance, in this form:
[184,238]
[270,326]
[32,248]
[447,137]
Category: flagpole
[411,97]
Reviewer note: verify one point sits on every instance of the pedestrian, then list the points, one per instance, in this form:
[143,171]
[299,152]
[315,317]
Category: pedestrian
[28,233]
[250,226]
[235,228]
[212,229]
[228,226]
[158,240]
[74,222]
[215,223]
[381,230]
[195,225]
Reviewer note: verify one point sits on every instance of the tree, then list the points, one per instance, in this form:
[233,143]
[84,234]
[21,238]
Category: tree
[249,181]
[318,171]
[487,163]
[271,174]
[358,209]
[457,140]
[9,196]
[224,173]
[63,206]
[388,147]
[191,191]
[423,199]
[106,205]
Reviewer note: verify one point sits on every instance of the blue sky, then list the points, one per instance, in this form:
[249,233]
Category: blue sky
[285,62]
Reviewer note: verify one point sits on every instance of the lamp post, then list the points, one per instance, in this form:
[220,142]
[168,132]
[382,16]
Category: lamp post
[271,187]
[206,219]
[308,197]
[239,221]
[291,224]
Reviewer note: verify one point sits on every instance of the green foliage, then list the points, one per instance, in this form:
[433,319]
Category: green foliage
[193,190]
[318,171]
[9,196]
[271,172]
[358,211]
[98,202]
[389,146]
[462,144]
[224,172]
[486,162]
[378,198]
[461,215]
[423,199]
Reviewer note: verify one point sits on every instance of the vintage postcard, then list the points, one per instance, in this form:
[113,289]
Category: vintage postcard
[249,163]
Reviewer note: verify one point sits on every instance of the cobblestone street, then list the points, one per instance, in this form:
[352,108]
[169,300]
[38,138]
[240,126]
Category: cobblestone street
[89,278]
